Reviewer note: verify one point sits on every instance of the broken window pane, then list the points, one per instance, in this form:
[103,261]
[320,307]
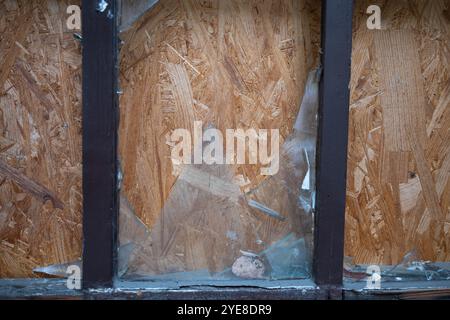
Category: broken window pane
[218,138]
[40,136]
[398,209]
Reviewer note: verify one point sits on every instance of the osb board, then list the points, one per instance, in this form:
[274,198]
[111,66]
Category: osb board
[398,191]
[233,64]
[40,137]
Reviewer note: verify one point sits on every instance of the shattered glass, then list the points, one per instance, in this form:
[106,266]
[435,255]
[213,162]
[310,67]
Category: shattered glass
[410,269]
[192,61]
[209,229]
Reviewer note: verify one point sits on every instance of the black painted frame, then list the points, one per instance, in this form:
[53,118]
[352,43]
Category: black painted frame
[100,137]
[100,126]
[337,16]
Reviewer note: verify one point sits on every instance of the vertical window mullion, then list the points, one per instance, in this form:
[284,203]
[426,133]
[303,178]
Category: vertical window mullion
[100,121]
[333,141]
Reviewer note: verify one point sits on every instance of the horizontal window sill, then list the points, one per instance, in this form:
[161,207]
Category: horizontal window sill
[223,290]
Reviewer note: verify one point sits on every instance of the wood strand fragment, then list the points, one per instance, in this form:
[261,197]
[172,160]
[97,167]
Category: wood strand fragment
[36,189]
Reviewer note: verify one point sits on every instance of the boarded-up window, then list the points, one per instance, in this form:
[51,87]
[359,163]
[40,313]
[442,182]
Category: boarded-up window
[40,138]
[398,192]
[191,71]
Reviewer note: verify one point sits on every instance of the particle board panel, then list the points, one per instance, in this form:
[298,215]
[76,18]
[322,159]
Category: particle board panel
[40,139]
[398,175]
[232,65]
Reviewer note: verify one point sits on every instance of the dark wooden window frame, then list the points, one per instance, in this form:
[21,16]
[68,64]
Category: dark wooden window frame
[100,125]
[100,140]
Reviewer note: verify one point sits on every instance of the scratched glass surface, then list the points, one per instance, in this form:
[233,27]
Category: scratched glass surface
[217,139]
